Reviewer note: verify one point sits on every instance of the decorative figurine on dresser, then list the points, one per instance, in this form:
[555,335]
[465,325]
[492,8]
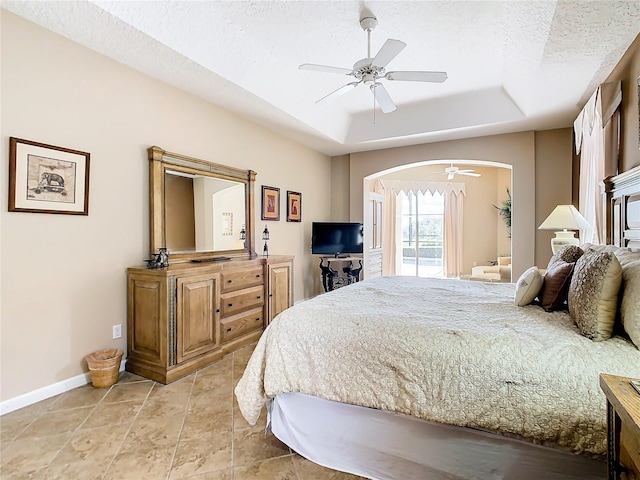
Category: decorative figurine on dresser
[159,260]
[217,295]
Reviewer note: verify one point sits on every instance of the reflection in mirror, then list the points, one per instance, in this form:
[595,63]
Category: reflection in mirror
[200,210]
[203,213]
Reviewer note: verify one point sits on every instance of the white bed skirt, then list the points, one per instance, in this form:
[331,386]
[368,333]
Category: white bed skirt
[389,446]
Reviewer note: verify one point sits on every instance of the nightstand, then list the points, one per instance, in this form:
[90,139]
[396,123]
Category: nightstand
[623,428]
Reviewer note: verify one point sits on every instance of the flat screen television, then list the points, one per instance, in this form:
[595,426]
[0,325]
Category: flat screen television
[336,238]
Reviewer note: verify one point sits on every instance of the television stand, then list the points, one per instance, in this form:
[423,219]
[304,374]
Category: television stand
[332,279]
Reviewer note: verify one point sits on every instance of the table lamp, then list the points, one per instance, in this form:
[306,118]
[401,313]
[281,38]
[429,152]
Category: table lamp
[564,219]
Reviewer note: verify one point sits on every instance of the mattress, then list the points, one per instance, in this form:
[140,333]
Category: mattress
[446,351]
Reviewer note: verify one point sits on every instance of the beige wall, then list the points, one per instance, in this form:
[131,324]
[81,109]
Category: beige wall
[627,71]
[340,188]
[503,237]
[553,183]
[516,149]
[63,276]
[484,233]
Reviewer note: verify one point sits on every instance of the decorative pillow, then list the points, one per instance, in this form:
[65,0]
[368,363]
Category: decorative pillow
[626,256]
[598,247]
[593,294]
[556,285]
[528,286]
[568,254]
[630,305]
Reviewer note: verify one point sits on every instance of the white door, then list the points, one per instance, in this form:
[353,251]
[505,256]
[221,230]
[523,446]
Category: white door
[373,236]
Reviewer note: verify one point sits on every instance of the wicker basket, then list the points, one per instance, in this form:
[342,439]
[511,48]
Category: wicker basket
[104,366]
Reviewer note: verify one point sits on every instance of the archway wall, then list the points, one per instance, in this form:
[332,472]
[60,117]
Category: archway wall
[485,235]
[515,149]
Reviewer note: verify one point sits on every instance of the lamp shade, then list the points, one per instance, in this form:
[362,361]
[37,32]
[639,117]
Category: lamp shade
[565,217]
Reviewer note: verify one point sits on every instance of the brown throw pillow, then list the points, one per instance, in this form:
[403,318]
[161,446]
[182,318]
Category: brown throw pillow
[555,287]
[568,254]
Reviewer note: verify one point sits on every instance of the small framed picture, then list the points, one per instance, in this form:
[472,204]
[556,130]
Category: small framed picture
[294,206]
[47,179]
[270,203]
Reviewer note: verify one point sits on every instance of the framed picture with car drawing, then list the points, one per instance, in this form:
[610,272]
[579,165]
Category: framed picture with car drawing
[270,203]
[47,179]
[294,206]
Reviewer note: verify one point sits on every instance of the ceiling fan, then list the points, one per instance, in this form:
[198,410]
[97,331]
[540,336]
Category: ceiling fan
[370,71]
[452,171]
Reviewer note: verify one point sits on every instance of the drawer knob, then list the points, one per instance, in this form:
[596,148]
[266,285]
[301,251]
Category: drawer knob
[229,329]
[258,319]
[217,310]
[258,276]
[229,281]
[231,304]
[258,297]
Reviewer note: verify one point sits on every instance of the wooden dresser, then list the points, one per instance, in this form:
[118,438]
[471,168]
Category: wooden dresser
[186,316]
[623,412]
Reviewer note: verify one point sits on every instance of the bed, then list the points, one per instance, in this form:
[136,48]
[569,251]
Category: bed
[395,378]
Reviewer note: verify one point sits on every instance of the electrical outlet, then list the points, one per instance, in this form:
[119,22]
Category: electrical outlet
[117,331]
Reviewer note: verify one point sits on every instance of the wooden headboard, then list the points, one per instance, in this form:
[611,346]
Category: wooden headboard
[622,209]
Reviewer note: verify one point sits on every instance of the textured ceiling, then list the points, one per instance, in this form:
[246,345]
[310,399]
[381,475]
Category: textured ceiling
[512,65]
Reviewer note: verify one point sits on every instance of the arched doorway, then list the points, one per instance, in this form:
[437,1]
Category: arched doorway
[418,218]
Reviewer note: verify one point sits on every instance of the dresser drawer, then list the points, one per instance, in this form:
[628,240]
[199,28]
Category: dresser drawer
[237,325]
[235,302]
[231,280]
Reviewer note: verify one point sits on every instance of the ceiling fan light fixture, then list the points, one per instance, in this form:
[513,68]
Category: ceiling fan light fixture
[368,23]
[370,70]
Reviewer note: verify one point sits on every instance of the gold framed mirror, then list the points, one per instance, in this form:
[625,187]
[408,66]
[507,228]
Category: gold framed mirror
[200,210]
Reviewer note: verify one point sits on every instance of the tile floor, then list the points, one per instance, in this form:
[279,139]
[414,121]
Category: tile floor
[139,429]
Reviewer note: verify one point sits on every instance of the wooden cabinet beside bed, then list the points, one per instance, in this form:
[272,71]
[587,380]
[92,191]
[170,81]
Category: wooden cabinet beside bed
[188,315]
[623,412]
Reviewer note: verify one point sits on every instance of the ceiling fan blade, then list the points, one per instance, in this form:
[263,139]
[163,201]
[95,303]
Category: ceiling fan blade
[382,97]
[435,77]
[469,174]
[325,69]
[339,92]
[388,52]
[450,176]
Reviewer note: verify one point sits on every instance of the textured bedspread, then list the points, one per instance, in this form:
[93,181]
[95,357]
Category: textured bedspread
[449,351]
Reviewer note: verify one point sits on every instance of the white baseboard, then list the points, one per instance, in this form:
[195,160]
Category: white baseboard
[49,391]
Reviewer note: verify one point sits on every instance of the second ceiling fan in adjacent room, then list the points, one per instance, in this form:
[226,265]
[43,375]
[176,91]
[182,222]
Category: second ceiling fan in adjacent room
[452,171]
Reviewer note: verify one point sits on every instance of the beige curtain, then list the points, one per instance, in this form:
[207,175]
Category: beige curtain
[408,186]
[596,135]
[453,221]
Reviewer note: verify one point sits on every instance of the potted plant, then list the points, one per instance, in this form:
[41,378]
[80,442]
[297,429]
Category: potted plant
[505,211]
